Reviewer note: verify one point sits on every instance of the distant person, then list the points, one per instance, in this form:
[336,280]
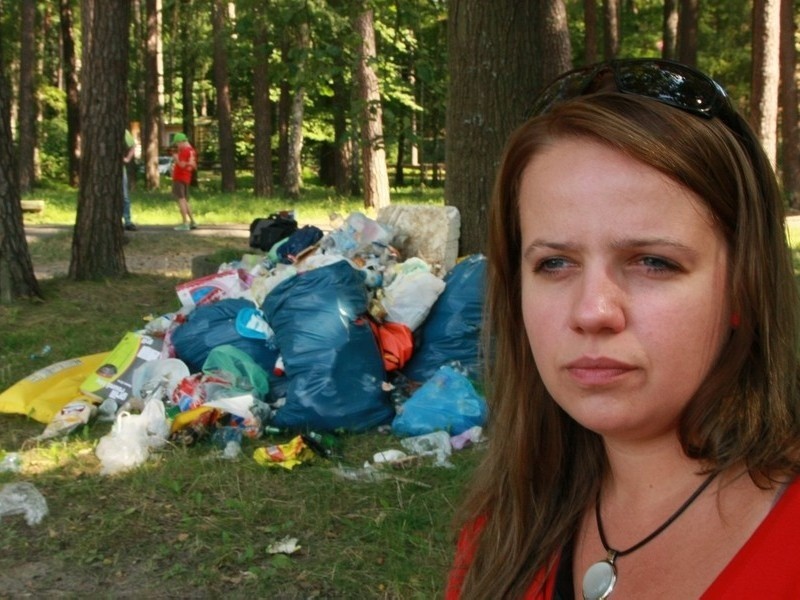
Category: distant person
[130,149]
[184,163]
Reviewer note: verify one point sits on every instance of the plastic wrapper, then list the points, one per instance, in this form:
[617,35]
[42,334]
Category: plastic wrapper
[73,415]
[22,498]
[287,456]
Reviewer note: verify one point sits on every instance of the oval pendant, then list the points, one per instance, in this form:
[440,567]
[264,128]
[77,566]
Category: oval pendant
[599,580]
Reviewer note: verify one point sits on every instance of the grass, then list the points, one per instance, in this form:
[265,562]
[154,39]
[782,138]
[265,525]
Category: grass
[189,524]
[210,206]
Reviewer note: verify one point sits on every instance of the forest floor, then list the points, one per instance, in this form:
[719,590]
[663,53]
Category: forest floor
[156,249]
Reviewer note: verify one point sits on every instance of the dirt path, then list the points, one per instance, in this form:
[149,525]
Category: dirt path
[149,249]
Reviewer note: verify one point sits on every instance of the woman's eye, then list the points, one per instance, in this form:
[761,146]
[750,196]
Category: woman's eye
[658,264]
[551,265]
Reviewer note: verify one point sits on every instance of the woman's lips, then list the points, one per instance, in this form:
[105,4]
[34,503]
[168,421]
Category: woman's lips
[598,371]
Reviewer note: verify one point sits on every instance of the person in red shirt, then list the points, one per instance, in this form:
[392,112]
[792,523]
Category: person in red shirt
[643,380]
[183,165]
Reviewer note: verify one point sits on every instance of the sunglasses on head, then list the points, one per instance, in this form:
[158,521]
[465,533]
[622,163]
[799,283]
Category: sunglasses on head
[666,81]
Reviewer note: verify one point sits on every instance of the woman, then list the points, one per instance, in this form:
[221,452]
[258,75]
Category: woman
[644,422]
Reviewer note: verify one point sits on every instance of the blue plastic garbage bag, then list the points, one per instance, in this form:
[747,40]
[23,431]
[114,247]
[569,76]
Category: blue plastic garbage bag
[332,363]
[212,325]
[451,332]
[303,238]
[446,402]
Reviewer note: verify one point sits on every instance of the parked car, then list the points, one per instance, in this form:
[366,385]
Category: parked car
[164,166]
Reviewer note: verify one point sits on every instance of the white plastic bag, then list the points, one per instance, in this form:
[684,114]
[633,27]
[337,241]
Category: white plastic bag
[129,442]
[409,298]
[22,498]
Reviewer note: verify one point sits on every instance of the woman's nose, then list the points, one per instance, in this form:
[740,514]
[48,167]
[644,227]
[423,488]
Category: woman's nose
[599,303]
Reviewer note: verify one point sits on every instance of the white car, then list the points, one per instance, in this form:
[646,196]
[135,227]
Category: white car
[165,165]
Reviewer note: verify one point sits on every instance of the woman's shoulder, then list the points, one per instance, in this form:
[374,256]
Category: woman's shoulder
[766,566]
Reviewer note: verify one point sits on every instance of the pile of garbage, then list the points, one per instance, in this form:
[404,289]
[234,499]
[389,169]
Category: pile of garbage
[321,333]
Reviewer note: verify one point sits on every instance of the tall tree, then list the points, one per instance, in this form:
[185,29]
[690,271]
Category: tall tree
[590,31]
[486,103]
[97,242]
[227,154]
[669,48]
[71,88]
[373,149]
[294,148]
[17,279]
[766,72]
[26,112]
[262,168]
[688,16]
[152,111]
[611,29]
[790,128]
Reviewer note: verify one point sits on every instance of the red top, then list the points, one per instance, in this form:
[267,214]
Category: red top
[185,163]
[767,566]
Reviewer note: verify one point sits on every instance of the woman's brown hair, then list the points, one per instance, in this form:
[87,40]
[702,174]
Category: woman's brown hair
[542,469]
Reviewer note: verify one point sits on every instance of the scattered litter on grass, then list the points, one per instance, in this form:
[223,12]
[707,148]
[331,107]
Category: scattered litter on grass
[10,462]
[287,545]
[373,326]
[42,353]
[22,498]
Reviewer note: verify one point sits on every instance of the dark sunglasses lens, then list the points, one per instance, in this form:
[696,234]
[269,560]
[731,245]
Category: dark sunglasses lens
[568,86]
[670,84]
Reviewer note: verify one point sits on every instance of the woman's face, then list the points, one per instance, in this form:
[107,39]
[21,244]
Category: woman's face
[624,288]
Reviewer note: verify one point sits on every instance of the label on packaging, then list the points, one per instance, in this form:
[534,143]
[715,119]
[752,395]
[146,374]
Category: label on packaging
[113,378]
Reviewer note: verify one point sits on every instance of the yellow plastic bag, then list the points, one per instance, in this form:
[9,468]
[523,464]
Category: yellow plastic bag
[46,391]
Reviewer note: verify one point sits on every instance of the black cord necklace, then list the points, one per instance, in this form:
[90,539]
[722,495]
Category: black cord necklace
[600,578]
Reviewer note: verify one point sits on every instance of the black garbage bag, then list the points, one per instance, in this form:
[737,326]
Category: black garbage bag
[332,362]
[452,330]
[215,324]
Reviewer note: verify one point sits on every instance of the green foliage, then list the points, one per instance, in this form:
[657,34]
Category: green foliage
[53,133]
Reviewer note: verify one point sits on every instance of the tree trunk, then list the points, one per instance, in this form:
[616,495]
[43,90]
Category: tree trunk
[227,149]
[766,72]
[17,279]
[294,168]
[262,167]
[486,103]
[590,31]
[669,47]
[687,31]
[97,242]
[152,117]
[284,113]
[71,89]
[26,116]
[373,150]
[611,29]
[343,147]
[790,127]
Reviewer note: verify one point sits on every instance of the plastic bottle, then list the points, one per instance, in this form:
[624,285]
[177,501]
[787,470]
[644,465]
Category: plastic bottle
[10,462]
